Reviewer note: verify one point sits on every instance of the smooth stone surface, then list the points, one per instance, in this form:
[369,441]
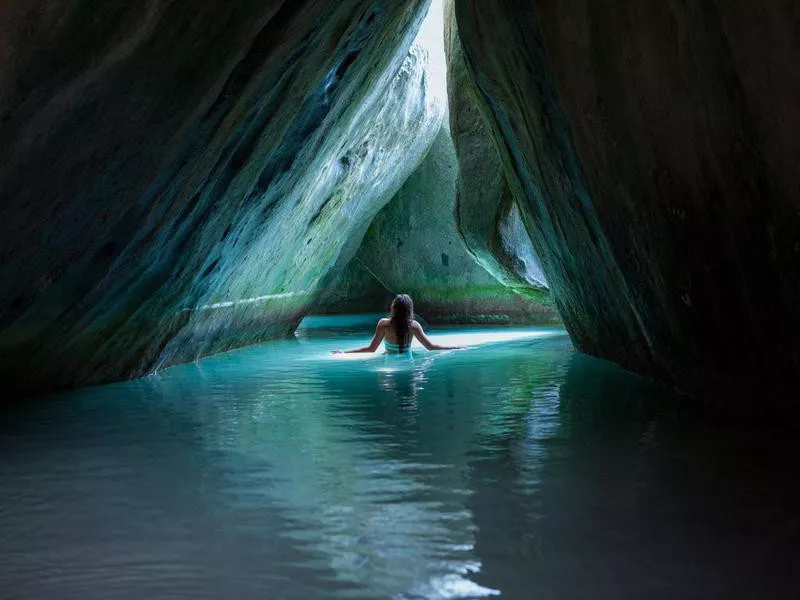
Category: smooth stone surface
[417,244]
[487,214]
[654,147]
[176,180]
[414,246]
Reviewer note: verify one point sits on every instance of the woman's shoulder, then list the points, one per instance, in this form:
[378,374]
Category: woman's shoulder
[384,322]
[415,324]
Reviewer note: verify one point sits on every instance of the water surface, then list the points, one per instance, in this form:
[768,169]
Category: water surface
[516,468]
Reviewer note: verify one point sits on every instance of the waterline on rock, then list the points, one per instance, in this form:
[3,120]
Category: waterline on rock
[230,303]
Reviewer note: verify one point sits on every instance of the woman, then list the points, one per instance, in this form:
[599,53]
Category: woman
[398,331]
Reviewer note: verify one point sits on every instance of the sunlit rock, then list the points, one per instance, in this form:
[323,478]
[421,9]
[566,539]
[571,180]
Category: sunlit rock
[176,179]
[488,215]
[418,244]
[414,246]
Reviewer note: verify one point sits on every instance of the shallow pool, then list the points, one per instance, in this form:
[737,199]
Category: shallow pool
[515,468]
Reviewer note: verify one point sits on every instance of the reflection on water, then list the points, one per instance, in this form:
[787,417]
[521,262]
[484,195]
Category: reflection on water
[515,468]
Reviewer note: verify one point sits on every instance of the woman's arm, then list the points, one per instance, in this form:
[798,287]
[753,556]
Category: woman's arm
[425,340]
[380,330]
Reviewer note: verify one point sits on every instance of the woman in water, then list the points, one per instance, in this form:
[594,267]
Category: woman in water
[399,330]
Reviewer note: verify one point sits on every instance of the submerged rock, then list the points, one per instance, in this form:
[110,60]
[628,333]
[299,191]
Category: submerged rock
[176,180]
[653,148]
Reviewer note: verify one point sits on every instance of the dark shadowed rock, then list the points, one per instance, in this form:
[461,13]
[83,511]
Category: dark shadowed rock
[654,148]
[177,178]
[352,288]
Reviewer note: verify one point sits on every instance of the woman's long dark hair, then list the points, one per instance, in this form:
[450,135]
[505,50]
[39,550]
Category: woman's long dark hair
[402,315]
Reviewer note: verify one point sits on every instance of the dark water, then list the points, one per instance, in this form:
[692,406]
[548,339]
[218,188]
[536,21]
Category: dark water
[516,468]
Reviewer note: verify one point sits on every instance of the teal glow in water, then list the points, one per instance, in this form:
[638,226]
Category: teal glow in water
[516,467]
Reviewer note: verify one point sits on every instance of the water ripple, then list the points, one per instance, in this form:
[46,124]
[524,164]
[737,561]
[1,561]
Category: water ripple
[515,468]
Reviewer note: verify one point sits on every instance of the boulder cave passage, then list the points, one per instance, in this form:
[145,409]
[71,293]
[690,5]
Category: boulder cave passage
[178,181]
[595,205]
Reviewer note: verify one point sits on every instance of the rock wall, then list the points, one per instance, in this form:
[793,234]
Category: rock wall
[352,288]
[487,214]
[414,246]
[654,147]
[453,237]
[176,179]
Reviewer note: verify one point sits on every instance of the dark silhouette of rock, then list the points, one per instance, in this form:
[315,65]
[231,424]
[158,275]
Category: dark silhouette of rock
[654,147]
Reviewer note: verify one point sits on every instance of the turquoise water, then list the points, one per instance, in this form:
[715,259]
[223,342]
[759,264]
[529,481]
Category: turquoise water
[515,468]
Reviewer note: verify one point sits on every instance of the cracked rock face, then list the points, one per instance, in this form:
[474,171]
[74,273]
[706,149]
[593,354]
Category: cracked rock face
[653,149]
[176,180]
